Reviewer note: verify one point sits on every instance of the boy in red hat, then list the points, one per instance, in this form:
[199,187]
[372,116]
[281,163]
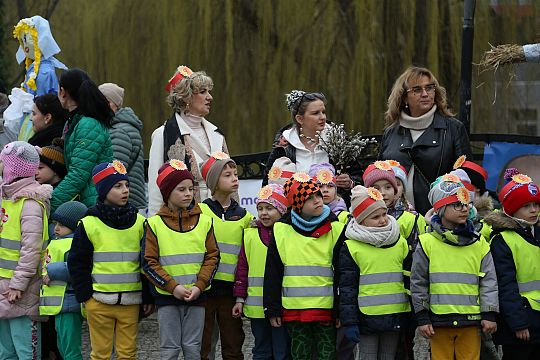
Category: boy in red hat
[515,247]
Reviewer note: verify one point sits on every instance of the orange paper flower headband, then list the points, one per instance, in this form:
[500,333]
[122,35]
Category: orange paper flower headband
[175,165]
[116,167]
[325,177]
[215,156]
[276,173]
[462,195]
[374,195]
[266,193]
[181,72]
[462,162]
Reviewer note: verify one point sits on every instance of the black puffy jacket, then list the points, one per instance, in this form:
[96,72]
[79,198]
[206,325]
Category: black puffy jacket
[434,153]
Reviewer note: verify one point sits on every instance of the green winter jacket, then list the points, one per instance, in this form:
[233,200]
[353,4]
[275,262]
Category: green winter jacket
[86,144]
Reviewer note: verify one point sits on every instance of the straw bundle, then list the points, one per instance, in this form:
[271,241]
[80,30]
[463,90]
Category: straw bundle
[502,55]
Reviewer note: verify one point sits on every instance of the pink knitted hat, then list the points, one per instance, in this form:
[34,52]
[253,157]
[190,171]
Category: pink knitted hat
[21,160]
[273,194]
[379,170]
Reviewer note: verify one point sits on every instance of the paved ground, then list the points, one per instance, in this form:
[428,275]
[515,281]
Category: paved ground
[148,344]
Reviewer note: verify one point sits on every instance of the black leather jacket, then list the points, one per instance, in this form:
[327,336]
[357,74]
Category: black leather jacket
[433,153]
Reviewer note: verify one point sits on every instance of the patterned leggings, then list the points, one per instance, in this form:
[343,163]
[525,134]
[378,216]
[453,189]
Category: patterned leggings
[305,337]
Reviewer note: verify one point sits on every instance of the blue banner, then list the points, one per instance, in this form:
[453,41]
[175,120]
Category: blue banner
[499,156]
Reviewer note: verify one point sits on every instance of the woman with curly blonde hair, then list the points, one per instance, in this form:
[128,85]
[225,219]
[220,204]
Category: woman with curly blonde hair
[421,133]
[186,135]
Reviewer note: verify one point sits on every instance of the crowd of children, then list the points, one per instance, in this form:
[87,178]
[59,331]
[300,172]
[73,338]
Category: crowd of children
[316,278]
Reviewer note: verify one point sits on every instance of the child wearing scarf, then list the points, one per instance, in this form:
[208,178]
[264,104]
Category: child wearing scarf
[373,302]
[299,273]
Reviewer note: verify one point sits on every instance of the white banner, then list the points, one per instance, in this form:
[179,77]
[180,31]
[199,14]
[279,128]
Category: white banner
[247,192]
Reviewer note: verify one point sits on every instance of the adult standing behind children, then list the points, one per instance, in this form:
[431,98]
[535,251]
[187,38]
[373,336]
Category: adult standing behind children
[421,134]
[186,135]
[25,205]
[180,257]
[86,137]
[127,144]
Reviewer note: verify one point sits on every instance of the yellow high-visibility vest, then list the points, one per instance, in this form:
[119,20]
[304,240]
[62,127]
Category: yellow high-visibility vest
[11,235]
[256,258]
[51,297]
[181,254]
[454,274]
[116,259]
[381,290]
[308,272]
[527,261]
[229,234]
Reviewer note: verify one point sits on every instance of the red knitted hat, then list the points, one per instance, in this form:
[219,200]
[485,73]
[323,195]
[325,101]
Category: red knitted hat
[170,175]
[380,170]
[476,173]
[519,191]
[298,189]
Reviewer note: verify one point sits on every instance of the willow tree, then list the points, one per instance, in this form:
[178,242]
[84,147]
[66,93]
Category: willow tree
[256,51]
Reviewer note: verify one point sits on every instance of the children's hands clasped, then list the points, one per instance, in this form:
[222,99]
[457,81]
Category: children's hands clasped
[13,295]
[191,294]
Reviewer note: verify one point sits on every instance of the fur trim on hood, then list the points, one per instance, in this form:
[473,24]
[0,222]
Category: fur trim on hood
[499,221]
[484,205]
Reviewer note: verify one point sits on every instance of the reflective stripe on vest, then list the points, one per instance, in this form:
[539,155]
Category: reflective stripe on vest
[381,290]
[181,254]
[228,235]
[10,235]
[256,259]
[116,260]
[51,296]
[454,274]
[527,261]
[308,275]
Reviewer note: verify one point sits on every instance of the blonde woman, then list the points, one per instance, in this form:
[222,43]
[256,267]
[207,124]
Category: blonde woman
[187,135]
[421,133]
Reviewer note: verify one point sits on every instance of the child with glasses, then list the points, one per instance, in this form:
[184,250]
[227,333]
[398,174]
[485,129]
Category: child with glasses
[453,281]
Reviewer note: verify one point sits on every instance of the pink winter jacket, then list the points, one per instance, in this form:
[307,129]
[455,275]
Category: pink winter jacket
[26,276]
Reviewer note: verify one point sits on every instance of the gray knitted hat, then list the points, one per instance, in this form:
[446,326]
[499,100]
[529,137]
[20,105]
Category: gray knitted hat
[69,214]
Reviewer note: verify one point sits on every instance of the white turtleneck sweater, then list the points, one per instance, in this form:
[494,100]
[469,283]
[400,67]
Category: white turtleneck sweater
[196,125]
[417,126]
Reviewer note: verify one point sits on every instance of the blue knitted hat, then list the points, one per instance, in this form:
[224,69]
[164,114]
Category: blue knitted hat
[69,214]
[105,175]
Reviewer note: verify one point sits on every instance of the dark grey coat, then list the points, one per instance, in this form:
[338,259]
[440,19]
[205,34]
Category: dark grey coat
[127,147]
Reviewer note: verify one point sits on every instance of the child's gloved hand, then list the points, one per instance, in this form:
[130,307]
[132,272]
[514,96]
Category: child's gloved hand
[352,333]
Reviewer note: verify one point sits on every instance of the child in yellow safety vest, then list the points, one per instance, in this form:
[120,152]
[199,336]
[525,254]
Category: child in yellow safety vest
[104,265]
[180,258]
[453,281]
[515,247]
[23,232]
[373,303]
[298,289]
[57,295]
[230,220]
[270,342]
[324,174]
